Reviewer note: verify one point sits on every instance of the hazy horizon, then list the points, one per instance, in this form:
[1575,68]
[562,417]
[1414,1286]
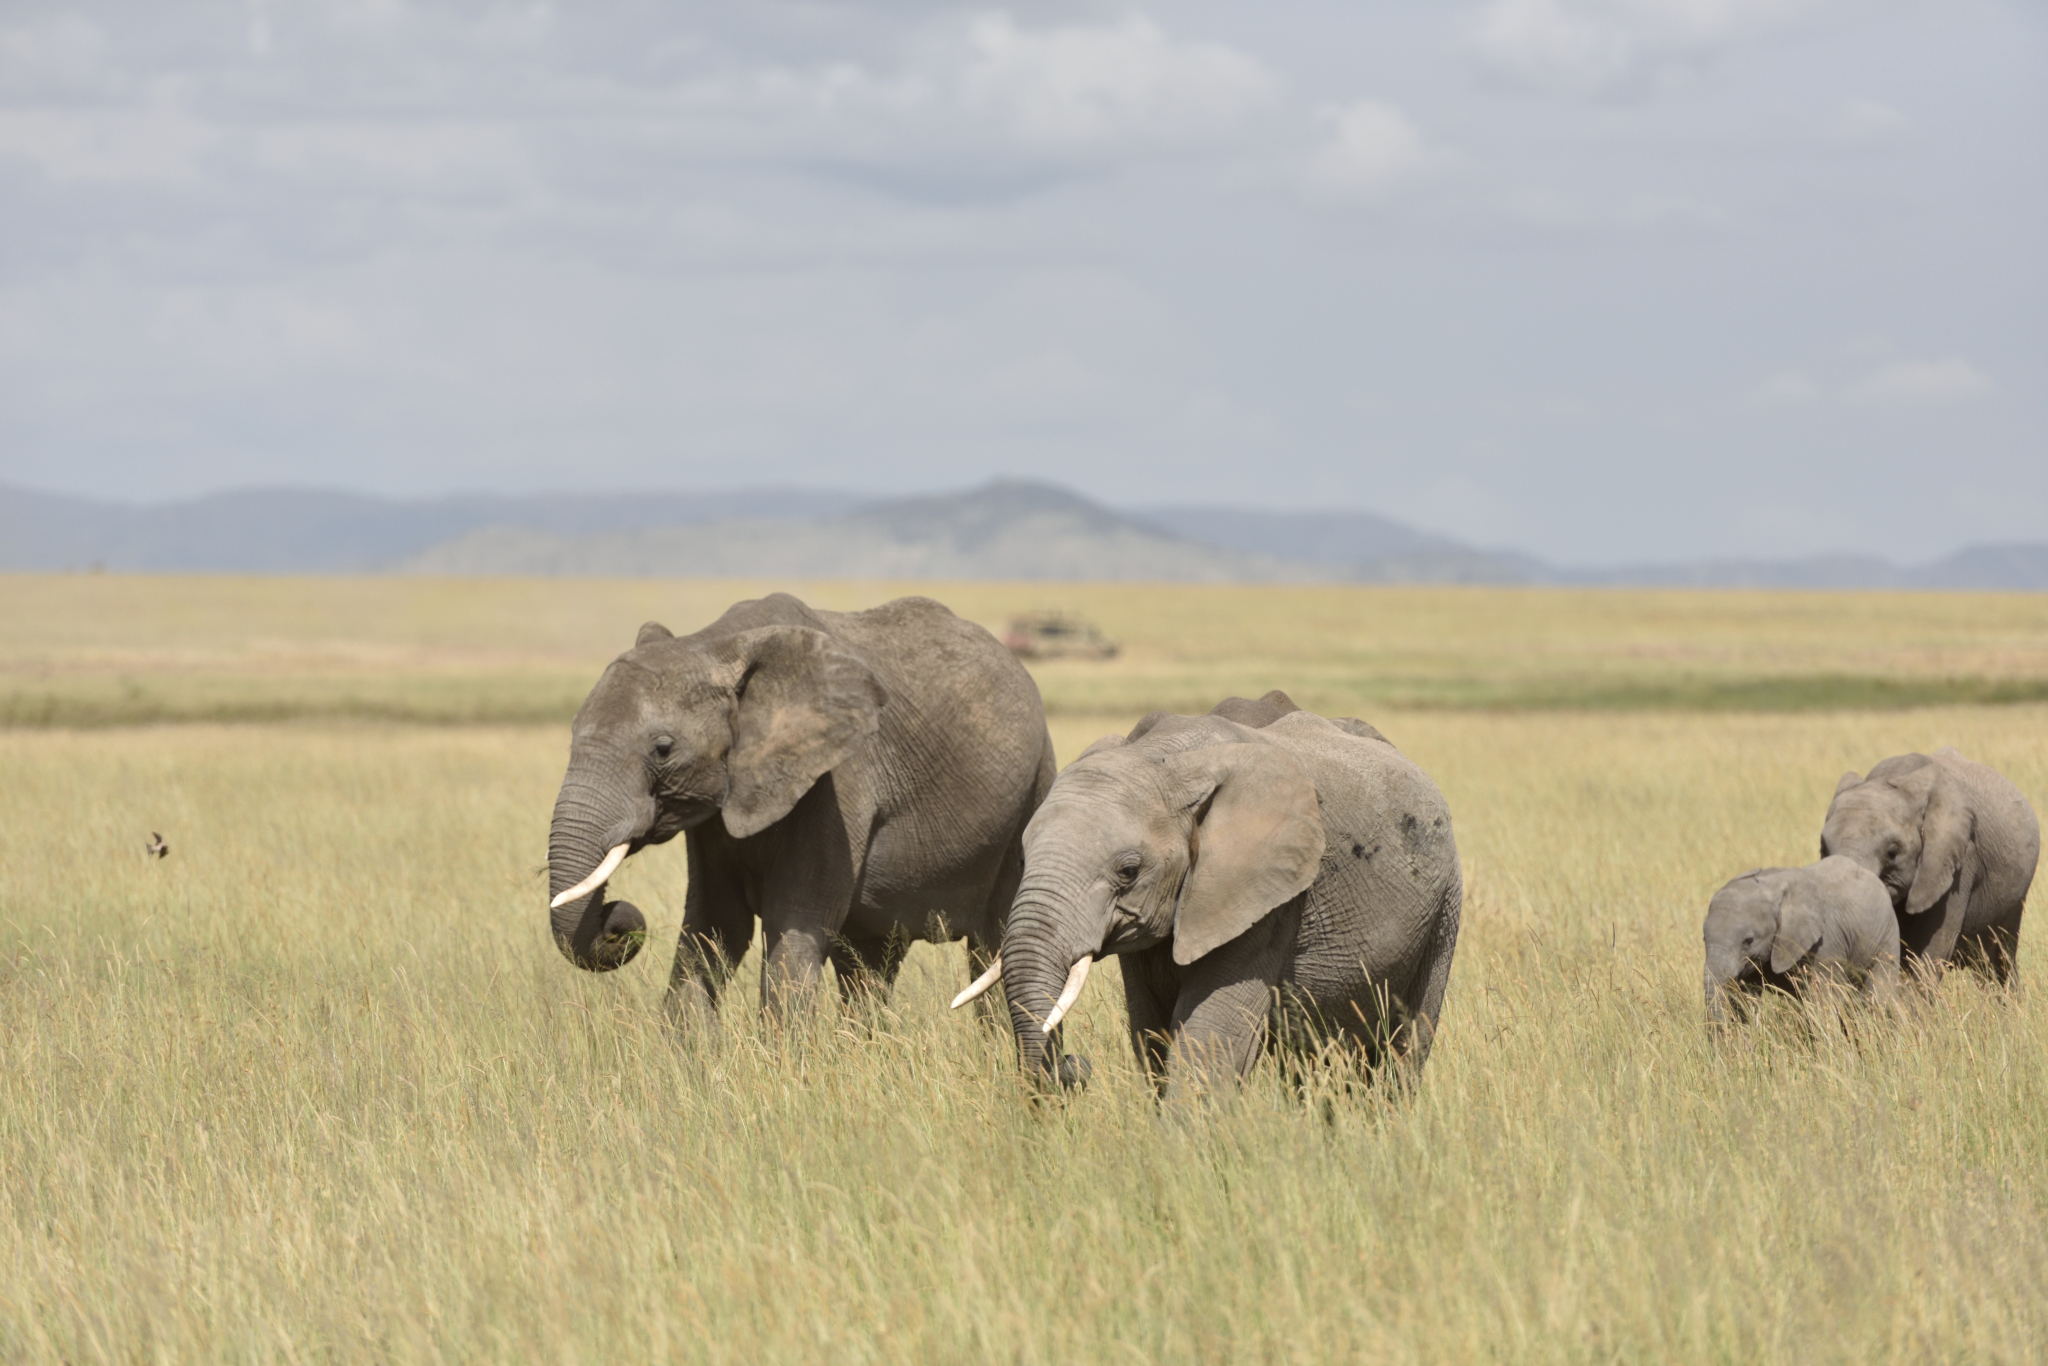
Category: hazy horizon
[1596,280]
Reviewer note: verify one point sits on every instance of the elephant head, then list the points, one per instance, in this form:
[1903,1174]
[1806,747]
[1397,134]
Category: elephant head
[1143,843]
[1908,823]
[737,724]
[1759,928]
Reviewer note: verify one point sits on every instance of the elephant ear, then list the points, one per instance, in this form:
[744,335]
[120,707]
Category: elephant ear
[1948,847]
[804,704]
[1257,841]
[651,632]
[1800,927]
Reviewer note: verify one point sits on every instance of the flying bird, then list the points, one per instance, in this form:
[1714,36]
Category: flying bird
[157,846]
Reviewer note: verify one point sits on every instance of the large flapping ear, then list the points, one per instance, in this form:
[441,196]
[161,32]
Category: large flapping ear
[1257,842]
[804,704]
[1948,852]
[1800,926]
[650,632]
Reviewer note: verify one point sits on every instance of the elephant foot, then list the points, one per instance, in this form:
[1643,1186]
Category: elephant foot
[1074,1072]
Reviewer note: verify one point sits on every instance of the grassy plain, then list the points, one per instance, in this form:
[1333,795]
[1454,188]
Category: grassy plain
[316,1087]
[86,650]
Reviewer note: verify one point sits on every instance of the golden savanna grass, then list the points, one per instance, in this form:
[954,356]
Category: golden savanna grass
[317,1088]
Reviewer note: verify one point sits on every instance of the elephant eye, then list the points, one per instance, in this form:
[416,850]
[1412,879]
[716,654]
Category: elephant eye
[1892,850]
[1127,865]
[663,744]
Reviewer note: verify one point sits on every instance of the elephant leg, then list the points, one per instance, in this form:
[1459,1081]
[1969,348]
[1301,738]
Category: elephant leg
[1993,950]
[810,872]
[985,938]
[867,967]
[718,928]
[791,964]
[1224,1009]
[1151,984]
[2005,947]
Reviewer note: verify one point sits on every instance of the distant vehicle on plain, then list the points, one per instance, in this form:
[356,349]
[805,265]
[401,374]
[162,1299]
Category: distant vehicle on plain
[1057,635]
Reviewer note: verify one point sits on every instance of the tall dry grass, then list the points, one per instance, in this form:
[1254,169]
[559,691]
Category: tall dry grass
[316,1088]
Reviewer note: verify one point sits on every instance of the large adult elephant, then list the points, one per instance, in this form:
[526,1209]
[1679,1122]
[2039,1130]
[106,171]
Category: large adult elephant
[1257,869]
[853,780]
[1953,842]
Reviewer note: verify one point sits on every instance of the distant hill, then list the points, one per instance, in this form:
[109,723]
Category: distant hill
[1009,529]
[1360,546]
[1004,530]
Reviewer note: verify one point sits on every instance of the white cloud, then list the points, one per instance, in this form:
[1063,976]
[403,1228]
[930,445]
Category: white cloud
[1372,148]
[1950,380]
[1625,47]
[1104,85]
[982,93]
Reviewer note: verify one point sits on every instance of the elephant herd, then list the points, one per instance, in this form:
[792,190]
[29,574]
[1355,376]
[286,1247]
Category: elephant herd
[1924,860]
[854,781]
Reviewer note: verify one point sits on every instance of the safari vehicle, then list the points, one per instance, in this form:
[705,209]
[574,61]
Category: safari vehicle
[1057,635]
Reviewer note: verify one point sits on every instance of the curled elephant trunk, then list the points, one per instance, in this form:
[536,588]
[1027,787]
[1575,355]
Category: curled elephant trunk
[1042,978]
[587,840]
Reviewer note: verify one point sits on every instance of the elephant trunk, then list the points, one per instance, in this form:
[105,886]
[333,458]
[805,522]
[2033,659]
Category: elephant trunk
[591,819]
[1042,943]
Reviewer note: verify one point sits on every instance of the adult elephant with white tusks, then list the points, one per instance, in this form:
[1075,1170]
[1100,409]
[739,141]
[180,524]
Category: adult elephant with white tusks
[1955,845]
[1262,872]
[853,780]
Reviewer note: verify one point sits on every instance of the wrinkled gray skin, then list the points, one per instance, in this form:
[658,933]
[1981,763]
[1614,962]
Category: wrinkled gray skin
[1772,926]
[854,780]
[1261,871]
[1955,845]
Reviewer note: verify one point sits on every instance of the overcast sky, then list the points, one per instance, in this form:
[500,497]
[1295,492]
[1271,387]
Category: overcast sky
[1599,279]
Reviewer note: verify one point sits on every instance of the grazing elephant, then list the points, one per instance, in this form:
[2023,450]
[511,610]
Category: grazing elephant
[1257,869]
[1955,845]
[854,780]
[1834,916]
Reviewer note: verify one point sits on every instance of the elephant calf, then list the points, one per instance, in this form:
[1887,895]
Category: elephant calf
[853,780]
[1257,866]
[1955,845]
[1833,916]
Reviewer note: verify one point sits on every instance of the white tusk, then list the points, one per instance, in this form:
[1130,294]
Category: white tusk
[981,983]
[1077,977]
[596,879]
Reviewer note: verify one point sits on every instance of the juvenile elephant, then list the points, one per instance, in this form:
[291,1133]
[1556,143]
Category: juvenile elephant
[1274,870]
[853,779]
[1955,845]
[1833,916]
